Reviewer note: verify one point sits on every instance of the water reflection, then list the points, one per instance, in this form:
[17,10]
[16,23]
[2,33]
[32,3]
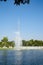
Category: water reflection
[18,57]
[3,57]
[21,57]
[10,57]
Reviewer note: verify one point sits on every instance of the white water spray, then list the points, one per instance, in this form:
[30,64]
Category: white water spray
[18,41]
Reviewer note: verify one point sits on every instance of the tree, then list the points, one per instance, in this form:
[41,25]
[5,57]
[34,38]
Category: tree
[18,2]
[4,41]
[3,0]
[10,43]
[23,43]
[0,44]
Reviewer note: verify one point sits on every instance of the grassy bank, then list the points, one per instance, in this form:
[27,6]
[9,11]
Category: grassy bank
[6,48]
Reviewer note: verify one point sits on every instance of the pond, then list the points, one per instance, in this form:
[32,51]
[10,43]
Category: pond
[21,57]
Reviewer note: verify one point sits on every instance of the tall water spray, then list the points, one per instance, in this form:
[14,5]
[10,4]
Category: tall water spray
[18,41]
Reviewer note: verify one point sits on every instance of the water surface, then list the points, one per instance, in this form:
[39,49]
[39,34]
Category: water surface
[21,57]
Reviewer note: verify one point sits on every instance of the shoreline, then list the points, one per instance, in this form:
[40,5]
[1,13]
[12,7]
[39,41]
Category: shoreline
[24,48]
[28,48]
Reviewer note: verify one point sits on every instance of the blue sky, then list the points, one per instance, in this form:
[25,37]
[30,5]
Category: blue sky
[30,17]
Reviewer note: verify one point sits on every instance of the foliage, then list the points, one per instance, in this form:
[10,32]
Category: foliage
[18,2]
[32,43]
[6,43]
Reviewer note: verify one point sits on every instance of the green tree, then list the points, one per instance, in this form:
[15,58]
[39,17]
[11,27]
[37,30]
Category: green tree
[11,43]
[23,43]
[0,44]
[18,2]
[4,41]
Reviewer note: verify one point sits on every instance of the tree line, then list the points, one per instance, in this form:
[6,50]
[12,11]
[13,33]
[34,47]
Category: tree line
[6,43]
[32,43]
[18,2]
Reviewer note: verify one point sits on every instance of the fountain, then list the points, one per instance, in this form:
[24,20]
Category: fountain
[18,41]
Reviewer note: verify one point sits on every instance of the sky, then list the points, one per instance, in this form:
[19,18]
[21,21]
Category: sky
[28,18]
